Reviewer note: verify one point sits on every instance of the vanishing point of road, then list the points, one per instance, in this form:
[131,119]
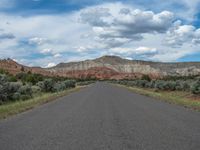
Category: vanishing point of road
[103,117]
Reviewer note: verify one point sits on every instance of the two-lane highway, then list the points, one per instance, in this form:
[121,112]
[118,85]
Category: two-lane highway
[103,117]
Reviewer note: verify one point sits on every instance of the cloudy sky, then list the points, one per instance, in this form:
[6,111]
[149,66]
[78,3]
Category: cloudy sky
[46,32]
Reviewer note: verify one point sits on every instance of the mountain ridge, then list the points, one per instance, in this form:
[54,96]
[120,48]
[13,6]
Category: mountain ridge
[109,67]
[130,68]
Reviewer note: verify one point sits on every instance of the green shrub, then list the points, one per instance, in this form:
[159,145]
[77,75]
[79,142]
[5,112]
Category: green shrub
[59,86]
[16,96]
[195,89]
[3,94]
[41,85]
[12,78]
[29,77]
[11,88]
[160,85]
[169,85]
[48,85]
[151,84]
[185,86]
[70,83]
[36,89]
[25,91]
[141,83]
[3,79]
[14,86]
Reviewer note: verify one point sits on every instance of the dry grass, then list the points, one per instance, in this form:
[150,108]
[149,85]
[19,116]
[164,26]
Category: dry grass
[21,106]
[185,99]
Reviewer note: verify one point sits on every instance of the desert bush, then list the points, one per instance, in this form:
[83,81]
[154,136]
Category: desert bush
[41,85]
[3,79]
[25,91]
[185,86]
[14,86]
[169,85]
[36,89]
[59,86]
[48,85]
[195,89]
[70,83]
[160,85]
[3,94]
[151,84]
[16,96]
[141,83]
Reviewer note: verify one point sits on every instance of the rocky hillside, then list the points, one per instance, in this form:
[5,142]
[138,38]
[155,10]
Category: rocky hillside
[13,67]
[108,67]
[118,68]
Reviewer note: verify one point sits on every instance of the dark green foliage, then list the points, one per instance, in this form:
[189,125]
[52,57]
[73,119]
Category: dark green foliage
[160,85]
[2,71]
[29,77]
[48,85]
[16,96]
[59,86]
[25,92]
[3,79]
[186,86]
[170,85]
[12,78]
[12,88]
[3,94]
[36,89]
[141,83]
[70,83]
[3,88]
[41,85]
[196,87]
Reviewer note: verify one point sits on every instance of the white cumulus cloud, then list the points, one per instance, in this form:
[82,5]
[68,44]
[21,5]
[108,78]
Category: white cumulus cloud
[50,65]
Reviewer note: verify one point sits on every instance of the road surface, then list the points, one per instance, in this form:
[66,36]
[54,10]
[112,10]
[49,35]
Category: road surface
[103,117]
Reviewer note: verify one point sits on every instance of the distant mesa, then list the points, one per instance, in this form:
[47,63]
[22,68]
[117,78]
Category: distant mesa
[108,67]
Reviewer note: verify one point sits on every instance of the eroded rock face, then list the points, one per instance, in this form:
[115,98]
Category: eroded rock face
[124,68]
[108,67]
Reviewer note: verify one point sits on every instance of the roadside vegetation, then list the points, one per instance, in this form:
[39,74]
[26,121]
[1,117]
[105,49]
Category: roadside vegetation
[178,90]
[25,90]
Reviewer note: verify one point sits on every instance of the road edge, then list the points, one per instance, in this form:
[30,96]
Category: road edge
[18,107]
[186,103]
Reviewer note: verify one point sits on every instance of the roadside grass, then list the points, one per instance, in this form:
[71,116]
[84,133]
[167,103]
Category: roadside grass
[185,99]
[13,108]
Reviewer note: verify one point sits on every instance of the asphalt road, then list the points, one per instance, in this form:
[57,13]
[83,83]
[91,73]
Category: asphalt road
[103,117]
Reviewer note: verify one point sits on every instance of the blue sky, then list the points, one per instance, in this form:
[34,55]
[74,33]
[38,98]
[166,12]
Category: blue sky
[47,32]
